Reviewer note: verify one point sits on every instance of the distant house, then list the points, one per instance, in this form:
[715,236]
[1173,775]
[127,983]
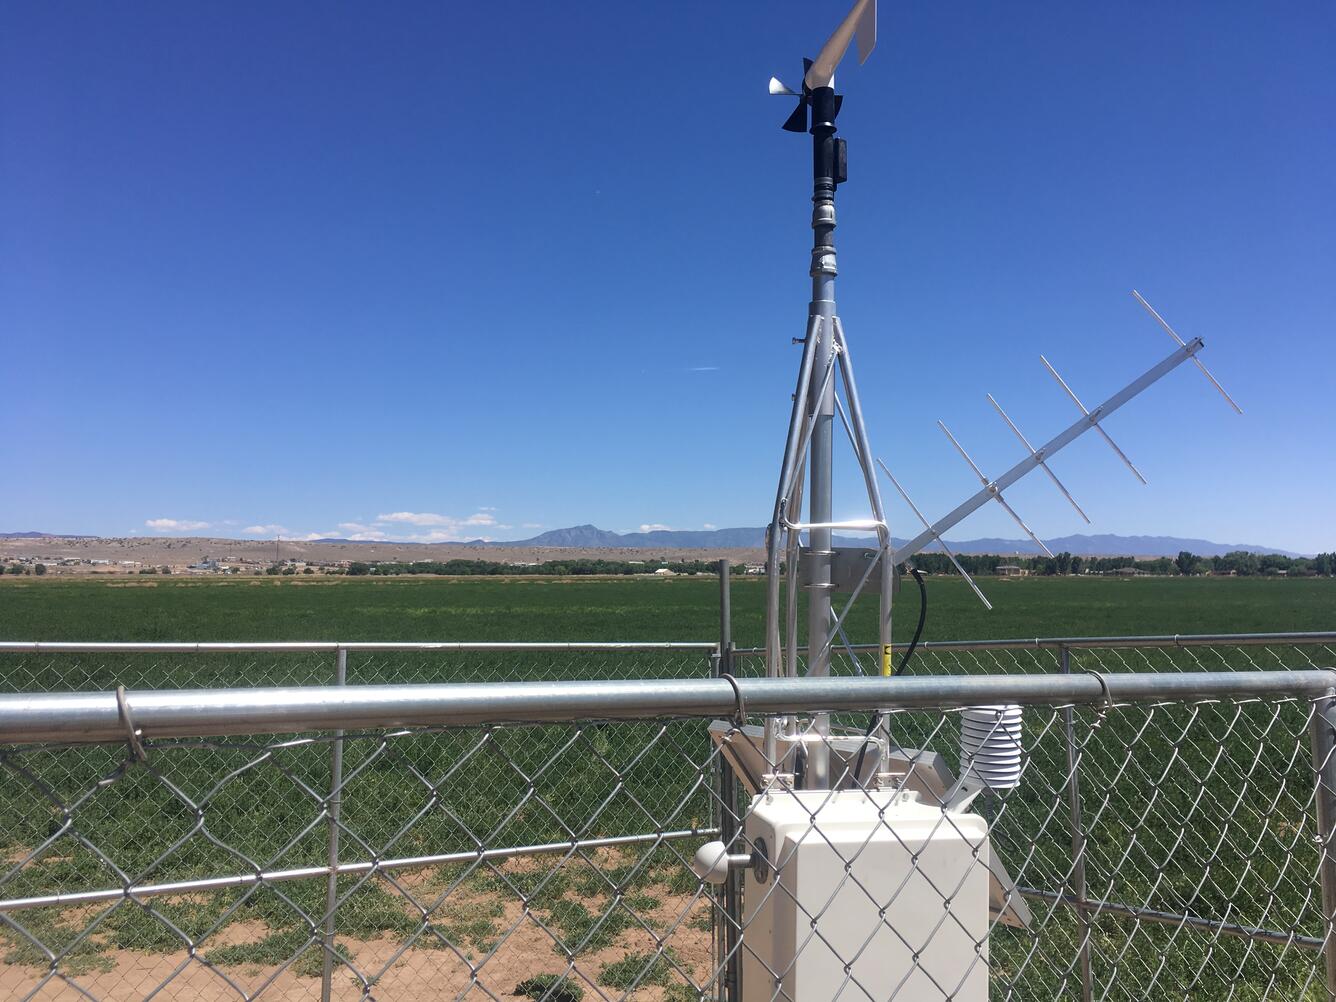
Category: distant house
[1012,571]
[664,572]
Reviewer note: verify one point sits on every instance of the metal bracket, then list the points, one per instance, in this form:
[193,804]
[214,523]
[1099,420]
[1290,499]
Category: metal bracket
[132,733]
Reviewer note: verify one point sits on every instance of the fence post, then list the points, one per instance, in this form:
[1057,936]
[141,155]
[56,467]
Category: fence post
[1322,729]
[1078,879]
[335,803]
[728,820]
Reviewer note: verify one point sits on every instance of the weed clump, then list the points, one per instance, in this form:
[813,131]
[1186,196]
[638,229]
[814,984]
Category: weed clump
[550,988]
[635,970]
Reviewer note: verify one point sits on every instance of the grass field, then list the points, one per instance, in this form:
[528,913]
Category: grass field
[596,781]
[495,609]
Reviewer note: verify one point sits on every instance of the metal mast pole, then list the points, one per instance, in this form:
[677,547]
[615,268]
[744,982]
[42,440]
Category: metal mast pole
[827,172]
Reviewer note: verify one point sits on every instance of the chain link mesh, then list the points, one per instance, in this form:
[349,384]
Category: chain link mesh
[144,668]
[1163,851]
[1042,657]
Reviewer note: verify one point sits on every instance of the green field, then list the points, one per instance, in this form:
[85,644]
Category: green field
[1166,770]
[680,609]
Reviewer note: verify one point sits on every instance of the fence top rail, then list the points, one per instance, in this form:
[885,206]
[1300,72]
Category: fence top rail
[1079,643]
[99,717]
[330,646]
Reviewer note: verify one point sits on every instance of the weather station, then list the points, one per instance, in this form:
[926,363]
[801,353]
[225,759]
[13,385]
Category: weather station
[845,824]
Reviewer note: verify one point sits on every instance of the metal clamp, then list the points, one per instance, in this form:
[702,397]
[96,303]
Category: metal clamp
[740,711]
[1104,685]
[132,733]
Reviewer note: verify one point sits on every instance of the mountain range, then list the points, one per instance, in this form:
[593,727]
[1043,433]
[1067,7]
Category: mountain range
[592,537]
[42,535]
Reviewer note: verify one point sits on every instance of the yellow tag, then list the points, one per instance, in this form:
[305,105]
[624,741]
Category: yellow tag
[886,660]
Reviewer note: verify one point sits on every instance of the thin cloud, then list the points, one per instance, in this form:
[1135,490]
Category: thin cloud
[360,533]
[424,519]
[703,368]
[267,530]
[175,524]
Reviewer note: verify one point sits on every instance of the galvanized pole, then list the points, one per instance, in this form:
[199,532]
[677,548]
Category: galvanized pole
[1078,877]
[334,807]
[728,811]
[826,153]
[725,607]
[1323,733]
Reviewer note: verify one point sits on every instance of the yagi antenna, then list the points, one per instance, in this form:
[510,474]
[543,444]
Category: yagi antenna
[1038,457]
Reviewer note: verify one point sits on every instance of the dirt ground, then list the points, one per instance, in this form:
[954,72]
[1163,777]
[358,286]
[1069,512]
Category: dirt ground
[417,972]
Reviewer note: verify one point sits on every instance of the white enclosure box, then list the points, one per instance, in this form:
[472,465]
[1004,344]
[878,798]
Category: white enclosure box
[804,921]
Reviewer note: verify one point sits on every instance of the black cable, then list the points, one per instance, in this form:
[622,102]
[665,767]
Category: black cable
[923,618]
[904,660]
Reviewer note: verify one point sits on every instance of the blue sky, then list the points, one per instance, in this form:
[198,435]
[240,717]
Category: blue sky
[447,271]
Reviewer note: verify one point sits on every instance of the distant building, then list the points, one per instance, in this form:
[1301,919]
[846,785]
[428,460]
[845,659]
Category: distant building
[664,572]
[1012,571]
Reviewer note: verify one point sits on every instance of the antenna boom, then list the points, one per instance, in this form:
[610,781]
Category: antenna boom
[1089,420]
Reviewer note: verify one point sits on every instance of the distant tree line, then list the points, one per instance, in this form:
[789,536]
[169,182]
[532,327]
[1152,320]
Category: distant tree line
[551,567]
[38,569]
[1240,562]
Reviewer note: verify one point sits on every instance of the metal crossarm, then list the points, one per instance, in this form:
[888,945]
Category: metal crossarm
[996,491]
[935,536]
[1042,465]
[1196,361]
[1094,420]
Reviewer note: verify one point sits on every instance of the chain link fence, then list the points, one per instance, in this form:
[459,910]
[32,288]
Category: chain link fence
[1197,652]
[73,667]
[1162,847]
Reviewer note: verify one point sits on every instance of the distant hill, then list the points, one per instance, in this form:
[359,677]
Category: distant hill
[40,535]
[592,537]
[587,536]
